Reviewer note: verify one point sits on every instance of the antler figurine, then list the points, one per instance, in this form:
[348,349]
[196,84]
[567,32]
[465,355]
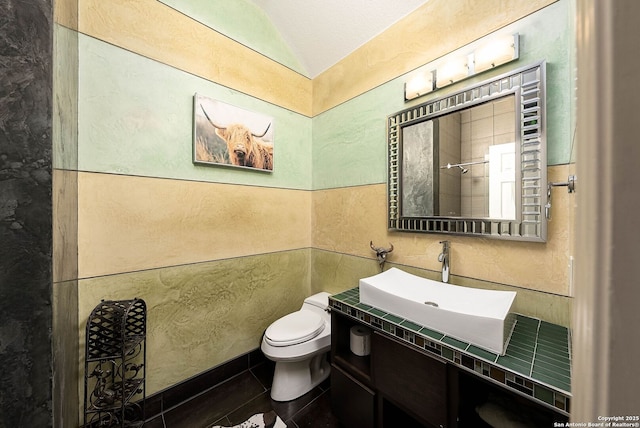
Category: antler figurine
[381,254]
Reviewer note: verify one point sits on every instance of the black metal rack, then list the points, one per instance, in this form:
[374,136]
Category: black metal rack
[115,358]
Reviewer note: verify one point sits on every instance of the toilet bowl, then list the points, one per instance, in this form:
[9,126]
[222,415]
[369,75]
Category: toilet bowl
[299,344]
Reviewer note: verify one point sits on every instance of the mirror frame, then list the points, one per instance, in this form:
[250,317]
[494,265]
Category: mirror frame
[528,84]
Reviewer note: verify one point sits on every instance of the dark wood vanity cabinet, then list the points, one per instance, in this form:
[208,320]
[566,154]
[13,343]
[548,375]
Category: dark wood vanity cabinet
[352,402]
[353,398]
[400,385]
[394,386]
[415,382]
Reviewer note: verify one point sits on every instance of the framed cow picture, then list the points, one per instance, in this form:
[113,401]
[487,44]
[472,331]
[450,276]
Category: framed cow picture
[231,136]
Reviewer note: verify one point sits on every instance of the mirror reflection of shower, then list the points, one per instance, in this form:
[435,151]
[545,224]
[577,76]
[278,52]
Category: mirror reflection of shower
[462,166]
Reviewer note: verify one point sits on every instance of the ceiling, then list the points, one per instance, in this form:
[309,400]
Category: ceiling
[322,32]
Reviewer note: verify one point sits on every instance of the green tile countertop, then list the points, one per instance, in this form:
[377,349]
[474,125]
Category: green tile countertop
[537,362]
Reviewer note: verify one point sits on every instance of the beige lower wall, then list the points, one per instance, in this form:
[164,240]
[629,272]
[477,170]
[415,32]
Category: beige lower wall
[64,297]
[65,225]
[217,263]
[129,223]
[67,395]
[201,315]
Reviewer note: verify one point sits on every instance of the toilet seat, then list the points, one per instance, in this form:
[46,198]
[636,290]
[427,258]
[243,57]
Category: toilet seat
[294,328]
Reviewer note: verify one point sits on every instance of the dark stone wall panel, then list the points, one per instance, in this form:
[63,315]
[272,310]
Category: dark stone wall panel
[25,213]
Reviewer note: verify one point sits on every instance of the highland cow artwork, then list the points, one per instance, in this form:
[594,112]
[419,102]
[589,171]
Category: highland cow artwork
[227,135]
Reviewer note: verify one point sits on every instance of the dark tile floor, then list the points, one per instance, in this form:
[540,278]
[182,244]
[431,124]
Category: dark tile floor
[234,401]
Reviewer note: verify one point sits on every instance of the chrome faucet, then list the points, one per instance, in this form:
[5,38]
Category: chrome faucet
[444,258]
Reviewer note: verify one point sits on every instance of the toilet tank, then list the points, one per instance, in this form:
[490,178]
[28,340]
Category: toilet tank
[318,303]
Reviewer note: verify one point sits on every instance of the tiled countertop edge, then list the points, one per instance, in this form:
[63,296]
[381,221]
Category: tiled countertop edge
[537,363]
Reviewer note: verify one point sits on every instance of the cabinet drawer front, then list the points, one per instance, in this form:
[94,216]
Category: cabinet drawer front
[351,402]
[411,379]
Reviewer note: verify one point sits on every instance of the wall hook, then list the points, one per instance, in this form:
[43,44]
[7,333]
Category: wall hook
[381,254]
[571,187]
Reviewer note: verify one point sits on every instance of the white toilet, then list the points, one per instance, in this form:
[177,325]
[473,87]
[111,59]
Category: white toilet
[299,343]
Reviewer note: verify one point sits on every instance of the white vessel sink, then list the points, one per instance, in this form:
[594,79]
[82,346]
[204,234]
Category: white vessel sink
[476,316]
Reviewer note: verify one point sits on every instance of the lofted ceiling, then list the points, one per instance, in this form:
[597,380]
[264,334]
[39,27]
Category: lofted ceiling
[322,32]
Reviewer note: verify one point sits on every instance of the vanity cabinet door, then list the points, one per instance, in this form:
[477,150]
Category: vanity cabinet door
[351,401]
[410,379]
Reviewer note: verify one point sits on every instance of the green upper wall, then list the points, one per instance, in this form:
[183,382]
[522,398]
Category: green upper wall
[132,124]
[135,117]
[350,141]
[244,22]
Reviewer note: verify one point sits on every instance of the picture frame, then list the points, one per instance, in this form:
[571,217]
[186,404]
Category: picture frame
[230,136]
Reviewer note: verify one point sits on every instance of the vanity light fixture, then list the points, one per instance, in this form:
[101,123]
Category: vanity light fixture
[496,52]
[420,84]
[452,71]
[491,54]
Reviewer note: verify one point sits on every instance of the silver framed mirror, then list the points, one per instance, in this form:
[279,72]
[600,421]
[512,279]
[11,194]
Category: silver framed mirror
[473,162]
